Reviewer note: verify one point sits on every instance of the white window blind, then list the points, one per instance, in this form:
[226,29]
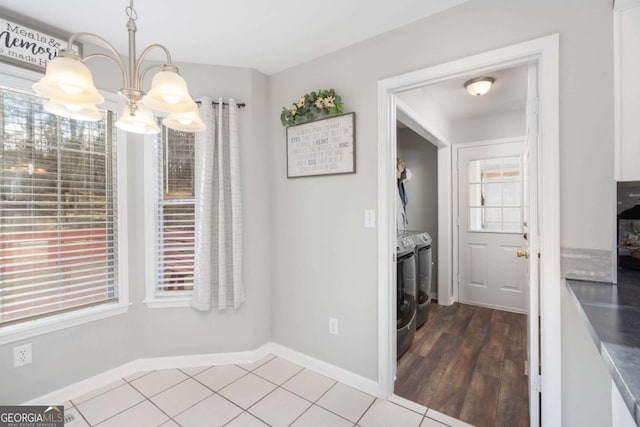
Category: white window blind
[58,224]
[176,212]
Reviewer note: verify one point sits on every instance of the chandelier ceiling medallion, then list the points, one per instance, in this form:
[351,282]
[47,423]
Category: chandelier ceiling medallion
[70,92]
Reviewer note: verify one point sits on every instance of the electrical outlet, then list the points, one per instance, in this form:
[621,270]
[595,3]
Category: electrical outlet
[22,355]
[333,326]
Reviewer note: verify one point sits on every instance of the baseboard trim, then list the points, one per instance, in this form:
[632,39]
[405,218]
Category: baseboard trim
[334,372]
[187,361]
[148,364]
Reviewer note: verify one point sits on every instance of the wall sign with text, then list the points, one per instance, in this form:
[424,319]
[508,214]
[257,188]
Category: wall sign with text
[322,147]
[27,47]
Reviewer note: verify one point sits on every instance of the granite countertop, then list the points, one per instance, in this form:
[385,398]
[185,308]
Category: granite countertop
[612,316]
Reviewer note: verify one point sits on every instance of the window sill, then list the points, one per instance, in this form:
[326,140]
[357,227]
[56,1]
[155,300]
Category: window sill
[32,328]
[168,302]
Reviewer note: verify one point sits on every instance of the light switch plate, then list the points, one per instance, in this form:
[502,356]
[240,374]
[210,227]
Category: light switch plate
[333,326]
[369,218]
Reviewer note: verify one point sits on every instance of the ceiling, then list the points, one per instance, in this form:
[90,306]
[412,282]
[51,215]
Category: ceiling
[267,35]
[454,103]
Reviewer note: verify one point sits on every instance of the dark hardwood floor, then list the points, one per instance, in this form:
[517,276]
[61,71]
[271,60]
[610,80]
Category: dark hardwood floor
[468,362]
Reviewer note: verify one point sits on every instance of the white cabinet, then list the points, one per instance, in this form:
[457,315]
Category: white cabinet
[627,90]
[620,415]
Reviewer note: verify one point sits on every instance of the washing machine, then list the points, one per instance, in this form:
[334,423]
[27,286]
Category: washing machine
[406,293]
[424,263]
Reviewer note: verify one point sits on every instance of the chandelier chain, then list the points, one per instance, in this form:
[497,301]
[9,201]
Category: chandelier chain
[131,12]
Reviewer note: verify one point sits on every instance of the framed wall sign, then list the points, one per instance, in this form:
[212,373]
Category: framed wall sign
[322,147]
[29,44]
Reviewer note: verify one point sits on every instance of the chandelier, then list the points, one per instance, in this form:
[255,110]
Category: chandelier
[69,90]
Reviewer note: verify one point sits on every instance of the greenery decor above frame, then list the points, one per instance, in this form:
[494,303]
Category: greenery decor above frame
[312,106]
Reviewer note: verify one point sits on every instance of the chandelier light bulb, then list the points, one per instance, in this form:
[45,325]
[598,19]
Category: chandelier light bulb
[169,92]
[68,80]
[71,90]
[140,120]
[169,99]
[186,121]
[73,107]
[87,112]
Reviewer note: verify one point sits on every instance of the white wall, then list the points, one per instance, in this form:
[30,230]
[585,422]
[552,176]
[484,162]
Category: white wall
[432,116]
[421,157]
[326,261]
[491,126]
[67,356]
[629,108]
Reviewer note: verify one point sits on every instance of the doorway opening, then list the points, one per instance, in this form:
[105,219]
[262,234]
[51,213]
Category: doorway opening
[490,191]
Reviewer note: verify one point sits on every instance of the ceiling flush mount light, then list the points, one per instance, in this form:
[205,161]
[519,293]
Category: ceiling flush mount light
[69,89]
[479,86]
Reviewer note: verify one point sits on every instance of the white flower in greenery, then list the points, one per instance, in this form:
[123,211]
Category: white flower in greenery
[319,102]
[294,110]
[329,101]
[301,102]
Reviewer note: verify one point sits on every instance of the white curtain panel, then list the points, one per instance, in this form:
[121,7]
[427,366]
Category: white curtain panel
[218,198]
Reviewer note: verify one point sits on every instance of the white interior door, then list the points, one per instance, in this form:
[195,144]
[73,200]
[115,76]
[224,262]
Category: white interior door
[491,205]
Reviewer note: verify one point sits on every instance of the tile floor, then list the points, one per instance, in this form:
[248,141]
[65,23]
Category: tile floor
[270,392]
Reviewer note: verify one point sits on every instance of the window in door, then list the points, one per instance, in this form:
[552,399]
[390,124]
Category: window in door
[495,195]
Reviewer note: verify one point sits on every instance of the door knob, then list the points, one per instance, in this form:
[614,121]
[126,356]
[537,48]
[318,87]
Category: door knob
[522,253]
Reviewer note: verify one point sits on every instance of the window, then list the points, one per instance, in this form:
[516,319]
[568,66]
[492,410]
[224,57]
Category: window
[173,207]
[495,195]
[59,222]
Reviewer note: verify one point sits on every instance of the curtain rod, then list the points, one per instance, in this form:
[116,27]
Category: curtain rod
[239,104]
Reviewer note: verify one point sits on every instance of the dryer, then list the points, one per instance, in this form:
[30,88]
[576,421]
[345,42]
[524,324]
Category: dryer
[424,263]
[406,293]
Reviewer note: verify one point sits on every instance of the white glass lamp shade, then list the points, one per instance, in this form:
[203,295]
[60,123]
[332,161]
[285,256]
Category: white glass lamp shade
[69,81]
[187,121]
[141,121]
[84,112]
[169,93]
[479,86]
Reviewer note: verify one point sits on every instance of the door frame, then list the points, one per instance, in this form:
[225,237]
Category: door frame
[455,243]
[545,53]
